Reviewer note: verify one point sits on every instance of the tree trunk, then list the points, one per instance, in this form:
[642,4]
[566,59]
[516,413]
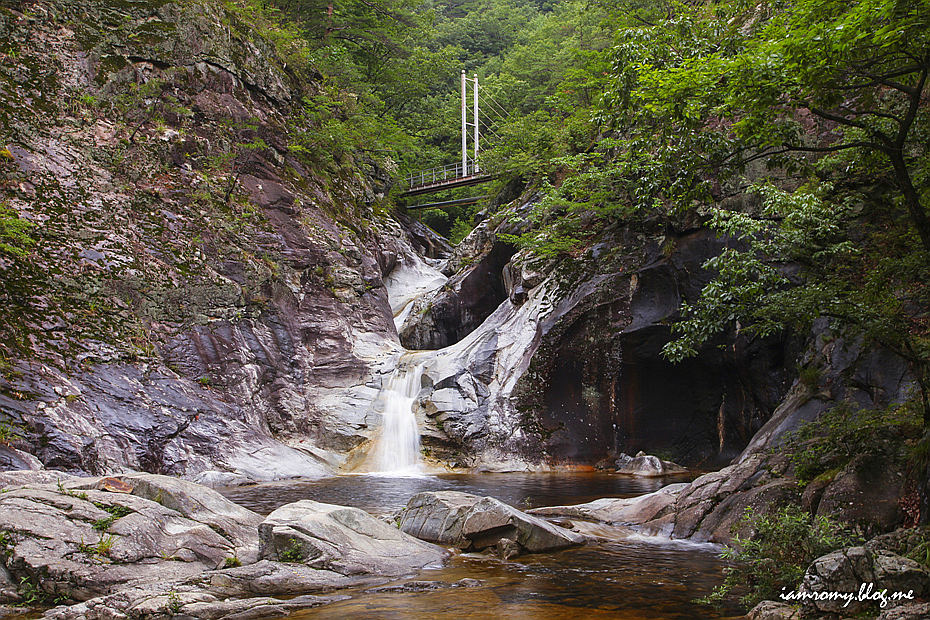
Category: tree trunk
[911,198]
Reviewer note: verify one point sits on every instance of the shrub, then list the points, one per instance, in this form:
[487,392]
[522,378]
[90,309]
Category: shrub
[292,553]
[843,433]
[783,546]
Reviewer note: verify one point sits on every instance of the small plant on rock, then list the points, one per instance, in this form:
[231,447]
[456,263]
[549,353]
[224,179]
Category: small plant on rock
[292,554]
[783,545]
[105,544]
[174,602]
[8,432]
[232,562]
[102,525]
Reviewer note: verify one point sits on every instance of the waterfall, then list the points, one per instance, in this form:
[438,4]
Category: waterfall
[398,449]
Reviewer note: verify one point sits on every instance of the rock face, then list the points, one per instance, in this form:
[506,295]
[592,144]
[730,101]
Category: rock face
[863,574]
[568,369]
[227,322]
[449,314]
[145,547]
[348,541]
[867,491]
[475,523]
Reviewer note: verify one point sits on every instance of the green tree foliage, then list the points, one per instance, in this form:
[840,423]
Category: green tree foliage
[700,96]
[817,76]
[782,546]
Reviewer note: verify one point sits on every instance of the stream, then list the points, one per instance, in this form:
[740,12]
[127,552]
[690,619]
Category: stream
[624,576]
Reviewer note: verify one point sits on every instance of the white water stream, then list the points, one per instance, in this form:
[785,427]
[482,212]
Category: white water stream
[398,448]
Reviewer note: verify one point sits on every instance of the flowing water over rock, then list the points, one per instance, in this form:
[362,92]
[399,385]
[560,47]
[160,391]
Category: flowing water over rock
[398,447]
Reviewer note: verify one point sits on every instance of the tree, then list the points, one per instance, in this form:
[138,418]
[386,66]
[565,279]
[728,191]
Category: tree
[817,77]
[831,90]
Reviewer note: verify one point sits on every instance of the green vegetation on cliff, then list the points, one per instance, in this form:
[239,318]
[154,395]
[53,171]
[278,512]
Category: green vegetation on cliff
[797,130]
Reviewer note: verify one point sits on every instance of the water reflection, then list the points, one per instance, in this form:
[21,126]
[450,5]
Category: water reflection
[620,581]
[625,576]
[381,494]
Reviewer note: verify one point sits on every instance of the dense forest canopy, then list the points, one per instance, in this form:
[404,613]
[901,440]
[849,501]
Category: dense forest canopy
[813,113]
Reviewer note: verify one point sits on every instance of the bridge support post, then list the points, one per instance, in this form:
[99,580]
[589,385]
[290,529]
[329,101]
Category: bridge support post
[464,129]
[476,126]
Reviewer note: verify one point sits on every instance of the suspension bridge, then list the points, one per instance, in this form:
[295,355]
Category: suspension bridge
[466,172]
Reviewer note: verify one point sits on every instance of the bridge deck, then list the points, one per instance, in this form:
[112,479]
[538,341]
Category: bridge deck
[438,186]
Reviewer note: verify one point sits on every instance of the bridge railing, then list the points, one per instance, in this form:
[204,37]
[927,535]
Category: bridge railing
[441,174]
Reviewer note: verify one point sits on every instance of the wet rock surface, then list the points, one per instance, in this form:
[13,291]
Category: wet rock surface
[344,540]
[472,294]
[476,523]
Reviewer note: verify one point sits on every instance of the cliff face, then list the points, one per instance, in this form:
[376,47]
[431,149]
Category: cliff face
[193,285]
[567,370]
[196,298]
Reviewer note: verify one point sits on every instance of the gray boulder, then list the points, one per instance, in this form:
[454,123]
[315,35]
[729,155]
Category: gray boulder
[347,541]
[862,574]
[267,578]
[907,611]
[627,511]
[770,610]
[204,505]
[475,523]
[646,465]
[184,600]
[73,540]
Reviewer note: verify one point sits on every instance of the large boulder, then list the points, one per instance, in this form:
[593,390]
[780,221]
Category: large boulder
[711,507]
[345,540]
[646,465]
[204,505]
[626,511]
[475,523]
[770,610]
[867,577]
[907,611]
[74,540]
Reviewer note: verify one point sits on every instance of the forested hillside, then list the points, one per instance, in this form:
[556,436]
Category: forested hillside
[706,239]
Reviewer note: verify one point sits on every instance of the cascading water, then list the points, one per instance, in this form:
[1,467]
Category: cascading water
[398,449]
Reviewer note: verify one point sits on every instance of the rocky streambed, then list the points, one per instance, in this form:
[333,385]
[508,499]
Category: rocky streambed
[148,546]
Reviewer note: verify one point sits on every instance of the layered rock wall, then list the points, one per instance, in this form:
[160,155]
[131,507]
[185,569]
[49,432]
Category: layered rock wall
[568,370]
[202,298]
